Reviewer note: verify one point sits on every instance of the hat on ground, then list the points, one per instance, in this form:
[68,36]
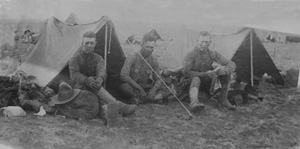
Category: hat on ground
[65,94]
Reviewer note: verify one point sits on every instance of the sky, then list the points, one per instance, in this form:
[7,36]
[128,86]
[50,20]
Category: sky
[278,15]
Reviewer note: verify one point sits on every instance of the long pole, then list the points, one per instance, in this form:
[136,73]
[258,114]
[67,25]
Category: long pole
[109,43]
[105,52]
[251,56]
[105,48]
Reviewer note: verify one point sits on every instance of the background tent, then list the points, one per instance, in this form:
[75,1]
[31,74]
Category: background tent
[59,42]
[72,19]
[151,36]
[236,47]
[133,39]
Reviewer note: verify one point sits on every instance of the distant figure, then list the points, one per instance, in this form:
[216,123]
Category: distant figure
[17,36]
[28,36]
[270,38]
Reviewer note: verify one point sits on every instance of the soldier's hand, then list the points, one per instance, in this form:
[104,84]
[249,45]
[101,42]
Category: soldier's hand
[95,86]
[99,81]
[142,92]
[151,93]
[221,72]
[88,81]
[211,74]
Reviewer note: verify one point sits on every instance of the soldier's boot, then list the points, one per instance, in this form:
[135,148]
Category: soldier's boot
[196,107]
[126,109]
[224,101]
[110,114]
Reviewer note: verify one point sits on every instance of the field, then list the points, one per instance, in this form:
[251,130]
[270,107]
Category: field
[272,123]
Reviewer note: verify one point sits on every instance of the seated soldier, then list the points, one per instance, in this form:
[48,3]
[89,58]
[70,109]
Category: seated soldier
[198,72]
[88,72]
[139,81]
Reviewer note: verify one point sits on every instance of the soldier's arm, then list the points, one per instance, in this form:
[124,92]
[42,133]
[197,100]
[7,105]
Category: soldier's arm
[101,70]
[74,69]
[125,73]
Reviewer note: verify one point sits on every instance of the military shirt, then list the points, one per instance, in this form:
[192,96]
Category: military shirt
[83,65]
[135,69]
[201,61]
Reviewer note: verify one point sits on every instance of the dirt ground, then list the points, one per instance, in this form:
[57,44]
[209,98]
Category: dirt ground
[273,123]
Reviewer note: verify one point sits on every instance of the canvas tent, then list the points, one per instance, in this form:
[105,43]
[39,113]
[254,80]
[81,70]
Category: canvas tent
[133,39]
[59,42]
[72,19]
[243,47]
[151,36]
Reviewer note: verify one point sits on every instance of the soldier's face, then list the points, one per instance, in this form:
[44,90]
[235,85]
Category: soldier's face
[147,49]
[203,42]
[88,44]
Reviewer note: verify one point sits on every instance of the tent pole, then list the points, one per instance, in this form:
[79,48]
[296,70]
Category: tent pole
[105,48]
[298,84]
[105,52]
[109,42]
[251,56]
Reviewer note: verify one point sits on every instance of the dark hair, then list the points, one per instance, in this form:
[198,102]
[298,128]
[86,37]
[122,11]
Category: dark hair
[204,33]
[89,34]
[26,31]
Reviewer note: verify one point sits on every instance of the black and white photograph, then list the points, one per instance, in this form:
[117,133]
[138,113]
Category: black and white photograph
[149,74]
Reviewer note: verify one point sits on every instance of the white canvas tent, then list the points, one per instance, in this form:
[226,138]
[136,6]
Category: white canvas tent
[60,41]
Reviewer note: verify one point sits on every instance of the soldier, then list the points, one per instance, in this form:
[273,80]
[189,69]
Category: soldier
[197,71]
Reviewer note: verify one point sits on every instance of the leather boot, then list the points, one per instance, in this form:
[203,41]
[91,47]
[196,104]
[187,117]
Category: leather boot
[126,109]
[195,105]
[226,104]
[110,115]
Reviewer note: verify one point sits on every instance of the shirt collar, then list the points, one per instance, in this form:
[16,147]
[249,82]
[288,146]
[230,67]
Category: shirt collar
[201,52]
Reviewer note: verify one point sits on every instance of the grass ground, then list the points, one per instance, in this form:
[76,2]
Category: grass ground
[273,123]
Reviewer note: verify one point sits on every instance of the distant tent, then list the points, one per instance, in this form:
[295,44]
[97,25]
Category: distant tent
[236,47]
[72,19]
[151,36]
[59,42]
[133,39]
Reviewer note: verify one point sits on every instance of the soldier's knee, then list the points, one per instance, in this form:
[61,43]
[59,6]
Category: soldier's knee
[196,81]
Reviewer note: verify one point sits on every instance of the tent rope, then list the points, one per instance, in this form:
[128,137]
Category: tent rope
[190,114]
